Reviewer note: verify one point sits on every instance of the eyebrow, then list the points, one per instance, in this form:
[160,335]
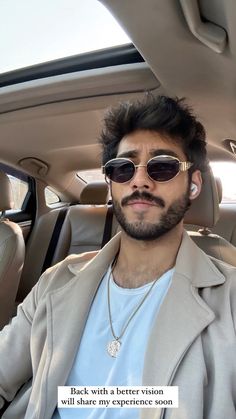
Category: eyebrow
[163,151]
[130,153]
[153,153]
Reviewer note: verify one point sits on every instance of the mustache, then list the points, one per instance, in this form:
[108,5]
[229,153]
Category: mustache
[146,196]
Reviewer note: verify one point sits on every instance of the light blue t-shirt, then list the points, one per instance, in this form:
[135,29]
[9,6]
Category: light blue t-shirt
[93,366]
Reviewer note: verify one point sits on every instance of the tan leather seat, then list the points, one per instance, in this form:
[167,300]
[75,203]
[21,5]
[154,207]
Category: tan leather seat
[84,224]
[226,225]
[12,253]
[204,212]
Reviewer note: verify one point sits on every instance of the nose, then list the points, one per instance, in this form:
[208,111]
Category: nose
[141,180]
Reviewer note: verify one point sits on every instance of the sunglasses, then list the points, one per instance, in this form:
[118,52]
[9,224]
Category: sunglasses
[160,168]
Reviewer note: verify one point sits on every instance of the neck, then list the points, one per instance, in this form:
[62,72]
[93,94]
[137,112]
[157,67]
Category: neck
[141,262]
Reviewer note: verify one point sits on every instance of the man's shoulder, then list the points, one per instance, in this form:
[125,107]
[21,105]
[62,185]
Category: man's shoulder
[74,263]
[227,291]
[63,272]
[82,258]
[228,288]
[229,271]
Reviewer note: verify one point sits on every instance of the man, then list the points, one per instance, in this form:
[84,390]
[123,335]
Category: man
[150,308]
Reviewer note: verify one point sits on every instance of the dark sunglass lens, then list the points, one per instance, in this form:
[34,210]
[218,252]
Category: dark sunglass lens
[119,170]
[162,170]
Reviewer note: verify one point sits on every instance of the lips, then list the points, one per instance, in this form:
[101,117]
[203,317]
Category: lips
[140,202]
[140,205]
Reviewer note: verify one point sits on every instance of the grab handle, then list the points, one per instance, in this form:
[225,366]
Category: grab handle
[208,33]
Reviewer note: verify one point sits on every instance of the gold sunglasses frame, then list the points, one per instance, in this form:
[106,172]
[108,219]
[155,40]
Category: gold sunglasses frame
[183,167]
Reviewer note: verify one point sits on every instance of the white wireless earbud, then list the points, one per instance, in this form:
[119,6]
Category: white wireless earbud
[193,188]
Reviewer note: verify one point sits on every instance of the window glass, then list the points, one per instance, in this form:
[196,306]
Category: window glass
[226,171]
[42,31]
[93,175]
[50,196]
[19,190]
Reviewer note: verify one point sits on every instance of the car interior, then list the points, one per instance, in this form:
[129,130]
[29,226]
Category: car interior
[51,116]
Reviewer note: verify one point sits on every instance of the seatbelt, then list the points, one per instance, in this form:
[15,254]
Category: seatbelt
[108,226]
[5,406]
[54,239]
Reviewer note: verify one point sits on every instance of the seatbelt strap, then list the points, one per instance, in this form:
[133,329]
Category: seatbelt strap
[108,226]
[54,239]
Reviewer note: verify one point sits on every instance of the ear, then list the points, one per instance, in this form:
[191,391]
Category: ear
[195,185]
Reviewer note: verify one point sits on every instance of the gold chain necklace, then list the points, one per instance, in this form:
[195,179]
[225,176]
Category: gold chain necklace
[113,346]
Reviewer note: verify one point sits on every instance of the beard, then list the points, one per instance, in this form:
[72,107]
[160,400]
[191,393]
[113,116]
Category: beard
[146,231]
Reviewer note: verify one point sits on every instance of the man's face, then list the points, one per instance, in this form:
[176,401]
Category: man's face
[144,208]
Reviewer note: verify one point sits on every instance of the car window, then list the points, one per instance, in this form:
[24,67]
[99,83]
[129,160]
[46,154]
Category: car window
[93,175]
[19,190]
[226,171]
[50,196]
[22,190]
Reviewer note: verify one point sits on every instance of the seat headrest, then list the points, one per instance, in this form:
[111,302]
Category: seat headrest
[219,188]
[6,198]
[204,210]
[94,194]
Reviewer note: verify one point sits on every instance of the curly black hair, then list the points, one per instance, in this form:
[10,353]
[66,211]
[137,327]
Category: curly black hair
[170,117]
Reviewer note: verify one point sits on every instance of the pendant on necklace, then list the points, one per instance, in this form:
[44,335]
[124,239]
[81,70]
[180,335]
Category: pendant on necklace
[113,347]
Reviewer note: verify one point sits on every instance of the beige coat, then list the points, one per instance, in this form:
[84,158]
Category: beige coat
[192,343]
